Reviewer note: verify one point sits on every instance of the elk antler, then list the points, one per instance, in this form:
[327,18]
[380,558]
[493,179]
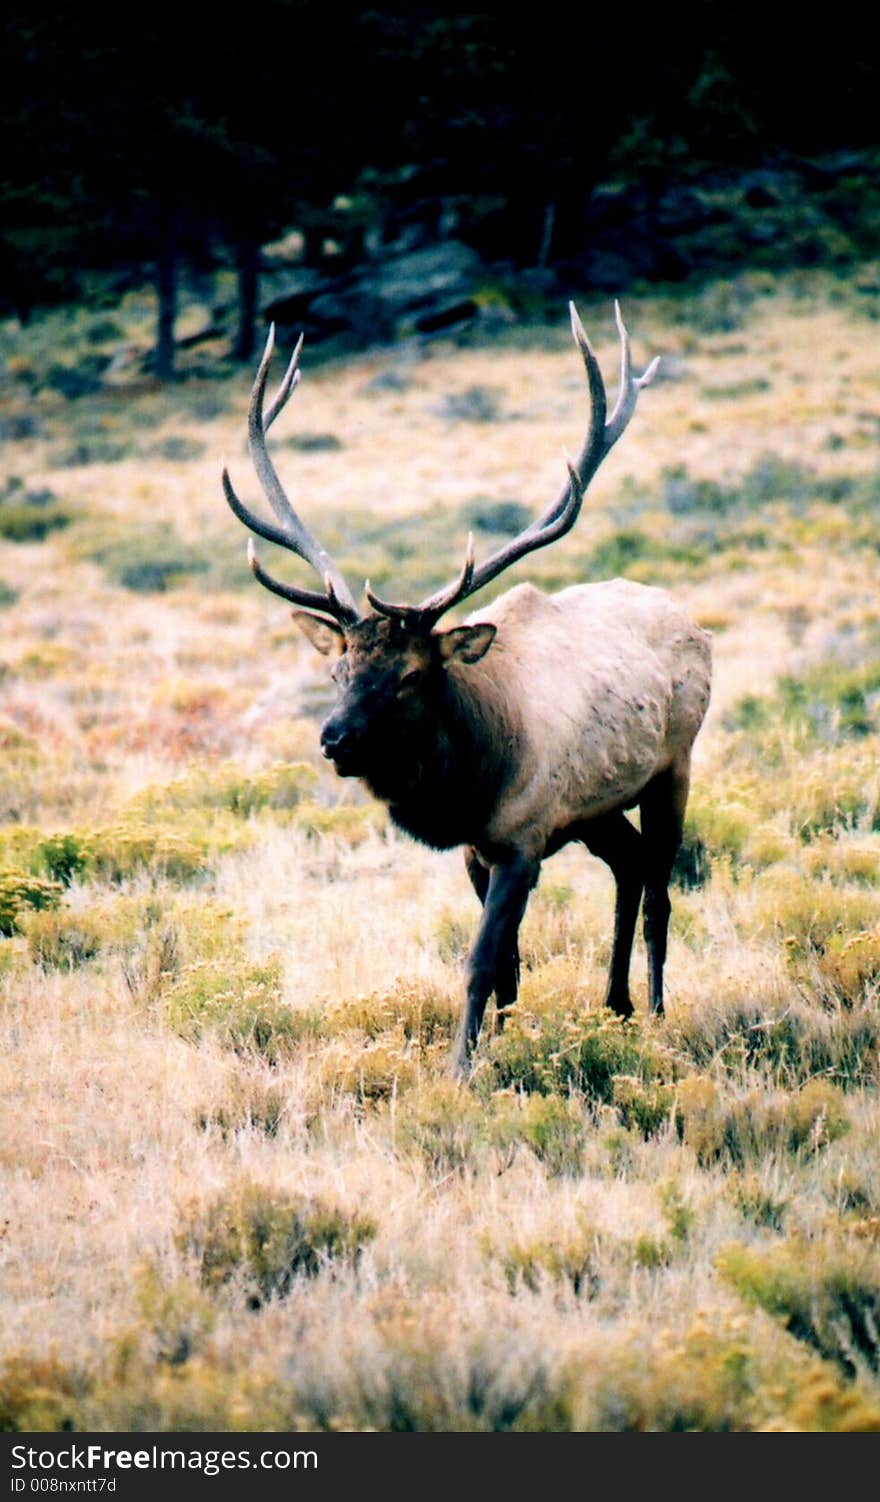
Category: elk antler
[562,515]
[291,533]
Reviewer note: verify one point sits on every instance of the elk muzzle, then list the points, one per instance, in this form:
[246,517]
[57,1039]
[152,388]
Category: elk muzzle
[342,738]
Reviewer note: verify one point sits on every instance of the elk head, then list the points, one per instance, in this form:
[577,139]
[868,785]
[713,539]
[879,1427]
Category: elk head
[390,660]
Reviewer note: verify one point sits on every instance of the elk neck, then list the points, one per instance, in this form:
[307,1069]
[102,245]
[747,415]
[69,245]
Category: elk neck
[443,781]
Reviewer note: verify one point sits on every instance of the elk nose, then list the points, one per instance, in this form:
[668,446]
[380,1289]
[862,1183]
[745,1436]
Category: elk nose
[333,739]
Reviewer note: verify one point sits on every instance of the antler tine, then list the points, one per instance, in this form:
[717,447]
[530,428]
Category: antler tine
[238,508]
[385,607]
[299,538]
[562,515]
[429,610]
[292,377]
[630,385]
[438,604]
[291,533]
[310,599]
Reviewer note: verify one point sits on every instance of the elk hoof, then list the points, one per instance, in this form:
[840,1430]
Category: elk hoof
[620,1005]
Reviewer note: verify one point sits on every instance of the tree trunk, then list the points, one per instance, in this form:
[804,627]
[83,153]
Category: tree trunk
[246,260]
[166,292]
[548,225]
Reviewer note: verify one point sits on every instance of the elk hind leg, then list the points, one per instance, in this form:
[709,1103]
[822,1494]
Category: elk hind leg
[614,840]
[507,975]
[663,804]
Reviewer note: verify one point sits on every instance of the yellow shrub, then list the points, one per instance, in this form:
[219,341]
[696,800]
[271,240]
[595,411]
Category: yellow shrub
[372,1071]
[850,964]
[804,915]
[352,824]
[265,1238]
[39,1394]
[568,1256]
[745,1126]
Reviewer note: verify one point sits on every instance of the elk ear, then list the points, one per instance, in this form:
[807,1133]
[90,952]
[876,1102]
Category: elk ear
[466,643]
[326,636]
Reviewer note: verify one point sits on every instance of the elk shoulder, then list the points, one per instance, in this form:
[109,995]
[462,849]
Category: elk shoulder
[599,687]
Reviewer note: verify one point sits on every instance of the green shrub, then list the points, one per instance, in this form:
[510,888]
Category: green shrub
[651,1253]
[314,443]
[830,703]
[178,1316]
[379,1069]
[241,793]
[677,1211]
[454,935]
[235,1000]
[265,1239]
[445,1124]
[507,518]
[553,1128]
[755,1201]
[553,1052]
[40,1394]
[721,308]
[98,448]
[453,1130]
[821,925]
[350,823]
[414,1008]
[718,826]
[747,1127]
[131,848]
[247,1103]
[19,893]
[178,447]
[794,1041]
[645,1105]
[145,560]
[64,857]
[691,866]
[826,1294]
[29,515]
[63,940]
[474,404]
[566,1257]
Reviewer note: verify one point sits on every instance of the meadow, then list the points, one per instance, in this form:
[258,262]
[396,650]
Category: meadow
[240,1190]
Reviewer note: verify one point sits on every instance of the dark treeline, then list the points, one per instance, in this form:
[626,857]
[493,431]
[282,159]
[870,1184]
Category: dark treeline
[133,141]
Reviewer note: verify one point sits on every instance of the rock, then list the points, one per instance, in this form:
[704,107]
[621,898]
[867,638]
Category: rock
[616,259]
[15,426]
[424,291]
[449,317]
[681,210]
[408,282]
[294,293]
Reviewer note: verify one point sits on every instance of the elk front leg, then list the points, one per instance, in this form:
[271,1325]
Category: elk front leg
[508,891]
[506,984]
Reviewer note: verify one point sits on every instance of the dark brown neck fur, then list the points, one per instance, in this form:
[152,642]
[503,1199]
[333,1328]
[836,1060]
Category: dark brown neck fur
[443,782]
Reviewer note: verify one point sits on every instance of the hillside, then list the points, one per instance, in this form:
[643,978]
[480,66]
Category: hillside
[239,1188]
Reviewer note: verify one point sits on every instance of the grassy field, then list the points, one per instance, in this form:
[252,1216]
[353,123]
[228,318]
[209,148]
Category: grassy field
[239,1188]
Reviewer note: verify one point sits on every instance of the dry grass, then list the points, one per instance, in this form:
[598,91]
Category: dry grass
[239,1189]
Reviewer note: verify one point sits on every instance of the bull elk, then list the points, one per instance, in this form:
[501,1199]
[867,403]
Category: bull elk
[539,721]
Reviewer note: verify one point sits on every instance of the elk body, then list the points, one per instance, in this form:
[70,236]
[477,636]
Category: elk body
[540,721]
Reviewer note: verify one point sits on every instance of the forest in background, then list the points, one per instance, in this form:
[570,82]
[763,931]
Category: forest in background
[588,152]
